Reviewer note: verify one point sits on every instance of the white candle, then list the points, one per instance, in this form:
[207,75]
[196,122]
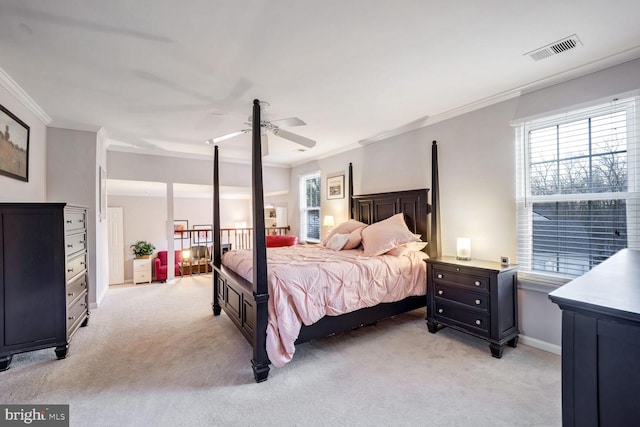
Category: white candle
[463,248]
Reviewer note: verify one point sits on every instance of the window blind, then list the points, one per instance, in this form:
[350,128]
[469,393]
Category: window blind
[577,198]
[310,207]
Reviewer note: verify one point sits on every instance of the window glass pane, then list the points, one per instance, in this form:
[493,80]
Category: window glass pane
[573,139]
[313,224]
[574,176]
[609,133]
[544,178]
[543,145]
[313,192]
[573,237]
[610,173]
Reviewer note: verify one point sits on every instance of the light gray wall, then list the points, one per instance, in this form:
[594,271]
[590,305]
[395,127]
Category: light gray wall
[71,178]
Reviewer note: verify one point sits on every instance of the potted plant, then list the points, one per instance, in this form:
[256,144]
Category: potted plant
[142,249]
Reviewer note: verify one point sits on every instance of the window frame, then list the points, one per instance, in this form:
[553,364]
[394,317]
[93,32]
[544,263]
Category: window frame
[525,200]
[304,209]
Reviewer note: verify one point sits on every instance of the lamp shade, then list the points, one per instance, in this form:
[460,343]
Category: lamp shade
[463,249]
[328,221]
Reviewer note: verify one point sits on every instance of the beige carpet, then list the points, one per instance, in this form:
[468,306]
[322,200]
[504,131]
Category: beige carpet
[153,355]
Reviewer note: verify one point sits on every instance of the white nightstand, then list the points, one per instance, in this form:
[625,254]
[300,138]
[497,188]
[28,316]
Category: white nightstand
[142,270]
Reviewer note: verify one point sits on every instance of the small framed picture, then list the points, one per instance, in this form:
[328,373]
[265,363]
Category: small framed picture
[335,187]
[204,234]
[179,226]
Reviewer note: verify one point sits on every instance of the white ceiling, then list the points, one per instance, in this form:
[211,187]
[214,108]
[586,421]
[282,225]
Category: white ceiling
[154,74]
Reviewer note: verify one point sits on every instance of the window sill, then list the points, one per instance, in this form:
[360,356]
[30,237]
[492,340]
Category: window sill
[541,282]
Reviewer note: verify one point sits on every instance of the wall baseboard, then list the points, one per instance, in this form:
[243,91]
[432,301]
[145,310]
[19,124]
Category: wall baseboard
[541,345]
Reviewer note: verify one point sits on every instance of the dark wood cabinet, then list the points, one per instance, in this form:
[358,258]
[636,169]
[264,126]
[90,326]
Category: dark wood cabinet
[601,344]
[476,297]
[43,277]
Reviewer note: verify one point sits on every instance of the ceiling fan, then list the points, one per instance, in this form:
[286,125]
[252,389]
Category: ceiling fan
[273,126]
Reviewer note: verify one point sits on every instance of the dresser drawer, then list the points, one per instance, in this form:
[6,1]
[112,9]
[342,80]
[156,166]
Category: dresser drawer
[76,314]
[74,220]
[460,278]
[142,264]
[463,296]
[76,287]
[75,243]
[141,276]
[471,320]
[76,266]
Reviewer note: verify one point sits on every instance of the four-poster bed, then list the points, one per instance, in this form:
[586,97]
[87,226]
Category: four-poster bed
[246,301]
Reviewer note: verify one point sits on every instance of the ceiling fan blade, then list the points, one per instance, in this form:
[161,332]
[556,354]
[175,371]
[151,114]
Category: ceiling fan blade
[229,135]
[309,143]
[291,121]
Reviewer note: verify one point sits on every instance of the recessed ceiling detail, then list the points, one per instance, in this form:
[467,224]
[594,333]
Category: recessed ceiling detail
[555,48]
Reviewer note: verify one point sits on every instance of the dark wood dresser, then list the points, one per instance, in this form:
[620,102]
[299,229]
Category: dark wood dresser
[601,344]
[476,297]
[43,277]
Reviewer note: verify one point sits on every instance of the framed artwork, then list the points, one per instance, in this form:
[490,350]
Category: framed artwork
[204,234]
[14,146]
[178,226]
[335,187]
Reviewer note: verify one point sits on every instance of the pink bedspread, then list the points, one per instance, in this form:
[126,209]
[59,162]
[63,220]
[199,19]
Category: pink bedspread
[307,282]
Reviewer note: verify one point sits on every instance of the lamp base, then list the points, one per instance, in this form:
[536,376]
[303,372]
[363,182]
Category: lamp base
[463,258]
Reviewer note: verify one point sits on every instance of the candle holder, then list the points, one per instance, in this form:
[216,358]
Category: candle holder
[463,249]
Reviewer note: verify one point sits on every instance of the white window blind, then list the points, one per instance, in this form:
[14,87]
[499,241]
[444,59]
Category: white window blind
[310,207]
[577,192]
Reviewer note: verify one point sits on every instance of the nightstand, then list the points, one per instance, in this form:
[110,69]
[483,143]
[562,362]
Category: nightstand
[476,297]
[141,270]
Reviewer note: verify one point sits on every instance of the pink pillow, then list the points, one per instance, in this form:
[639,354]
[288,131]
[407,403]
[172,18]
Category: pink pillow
[344,228]
[406,248]
[382,236]
[354,240]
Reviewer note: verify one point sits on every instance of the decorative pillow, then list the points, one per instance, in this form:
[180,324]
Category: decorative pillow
[337,241]
[406,248]
[344,228]
[382,236]
[354,240]
[281,240]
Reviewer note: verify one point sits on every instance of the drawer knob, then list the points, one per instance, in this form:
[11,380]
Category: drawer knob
[440,292]
[69,246]
[69,221]
[70,270]
[457,268]
[477,302]
[72,318]
[70,294]
[439,276]
[477,283]
[478,322]
[440,310]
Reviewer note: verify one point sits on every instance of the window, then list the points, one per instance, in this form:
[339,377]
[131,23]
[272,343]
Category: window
[576,182]
[310,207]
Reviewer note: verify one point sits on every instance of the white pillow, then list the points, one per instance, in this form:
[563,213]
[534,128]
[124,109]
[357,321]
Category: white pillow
[384,235]
[337,241]
[406,248]
[344,228]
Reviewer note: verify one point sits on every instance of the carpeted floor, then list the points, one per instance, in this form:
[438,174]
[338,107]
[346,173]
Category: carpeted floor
[153,355]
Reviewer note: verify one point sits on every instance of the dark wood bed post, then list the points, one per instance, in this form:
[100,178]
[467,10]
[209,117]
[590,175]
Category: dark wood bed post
[260,361]
[350,187]
[217,243]
[434,239]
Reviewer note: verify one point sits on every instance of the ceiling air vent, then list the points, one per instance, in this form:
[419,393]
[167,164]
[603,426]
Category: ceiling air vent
[555,48]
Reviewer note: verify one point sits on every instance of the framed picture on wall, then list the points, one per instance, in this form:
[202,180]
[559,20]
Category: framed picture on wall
[204,235]
[335,187]
[179,226]
[14,146]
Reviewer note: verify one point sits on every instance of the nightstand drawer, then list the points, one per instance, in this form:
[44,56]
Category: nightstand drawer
[462,296]
[475,321]
[142,264]
[460,278]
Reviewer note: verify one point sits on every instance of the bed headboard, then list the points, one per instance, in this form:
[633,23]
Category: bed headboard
[370,208]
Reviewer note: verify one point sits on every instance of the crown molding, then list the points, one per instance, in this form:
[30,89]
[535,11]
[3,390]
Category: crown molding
[22,96]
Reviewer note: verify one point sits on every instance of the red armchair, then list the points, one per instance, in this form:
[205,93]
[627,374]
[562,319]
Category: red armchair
[160,265]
